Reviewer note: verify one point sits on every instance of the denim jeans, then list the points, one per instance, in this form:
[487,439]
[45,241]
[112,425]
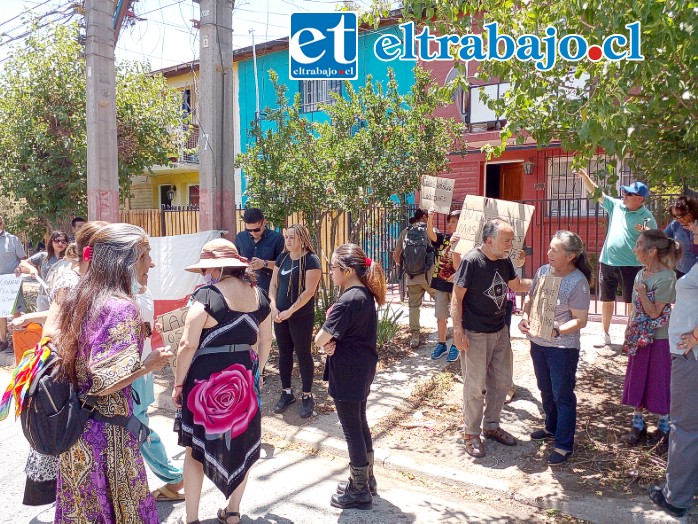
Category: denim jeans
[352,417]
[555,370]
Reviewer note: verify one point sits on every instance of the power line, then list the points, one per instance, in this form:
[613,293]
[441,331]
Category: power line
[24,12]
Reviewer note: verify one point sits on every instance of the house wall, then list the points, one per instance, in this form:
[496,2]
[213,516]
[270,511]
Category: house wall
[278,61]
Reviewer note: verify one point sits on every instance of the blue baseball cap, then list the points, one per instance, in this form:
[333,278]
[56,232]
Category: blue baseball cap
[638,188]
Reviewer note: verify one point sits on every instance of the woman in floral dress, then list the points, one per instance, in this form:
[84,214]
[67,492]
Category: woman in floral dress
[226,334]
[101,479]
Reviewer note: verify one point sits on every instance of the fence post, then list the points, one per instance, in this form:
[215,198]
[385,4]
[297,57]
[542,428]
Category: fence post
[162,220]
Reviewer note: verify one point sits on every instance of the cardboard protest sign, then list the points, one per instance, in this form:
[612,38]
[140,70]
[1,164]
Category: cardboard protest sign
[436,193]
[171,328]
[477,210]
[542,314]
[9,290]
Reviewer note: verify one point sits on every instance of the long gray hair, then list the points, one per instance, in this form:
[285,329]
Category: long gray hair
[115,250]
[573,245]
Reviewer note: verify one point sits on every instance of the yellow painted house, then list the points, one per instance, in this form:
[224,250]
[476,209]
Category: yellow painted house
[177,184]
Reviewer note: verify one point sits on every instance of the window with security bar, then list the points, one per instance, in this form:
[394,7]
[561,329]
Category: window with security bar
[316,92]
[566,193]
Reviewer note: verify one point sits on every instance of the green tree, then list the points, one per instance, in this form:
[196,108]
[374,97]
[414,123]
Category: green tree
[43,127]
[371,154]
[645,110]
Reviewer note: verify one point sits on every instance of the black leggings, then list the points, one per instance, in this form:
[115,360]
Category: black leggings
[296,334]
[352,416]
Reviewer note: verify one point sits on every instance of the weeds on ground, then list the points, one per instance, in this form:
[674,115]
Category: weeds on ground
[433,388]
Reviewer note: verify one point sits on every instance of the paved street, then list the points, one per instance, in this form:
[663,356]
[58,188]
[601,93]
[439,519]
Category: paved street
[287,485]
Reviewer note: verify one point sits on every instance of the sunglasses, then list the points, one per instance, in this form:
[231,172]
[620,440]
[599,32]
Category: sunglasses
[253,230]
[680,215]
[60,241]
[632,194]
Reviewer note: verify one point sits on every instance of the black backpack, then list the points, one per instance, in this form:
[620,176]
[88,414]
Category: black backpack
[53,416]
[417,252]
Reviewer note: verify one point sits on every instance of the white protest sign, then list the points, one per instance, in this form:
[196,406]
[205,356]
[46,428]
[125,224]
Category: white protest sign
[9,288]
[436,193]
[477,210]
[171,328]
[542,315]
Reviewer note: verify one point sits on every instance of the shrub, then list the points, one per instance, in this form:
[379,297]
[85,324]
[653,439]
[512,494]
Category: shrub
[388,325]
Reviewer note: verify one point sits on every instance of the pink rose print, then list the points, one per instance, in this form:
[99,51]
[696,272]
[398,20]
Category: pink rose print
[225,402]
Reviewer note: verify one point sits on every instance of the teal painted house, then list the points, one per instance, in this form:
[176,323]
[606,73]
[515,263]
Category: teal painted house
[274,56]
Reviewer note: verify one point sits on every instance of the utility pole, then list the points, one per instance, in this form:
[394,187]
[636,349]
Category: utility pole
[102,148]
[216,151]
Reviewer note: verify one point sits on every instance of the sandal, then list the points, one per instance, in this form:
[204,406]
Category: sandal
[474,446]
[223,515]
[165,494]
[500,436]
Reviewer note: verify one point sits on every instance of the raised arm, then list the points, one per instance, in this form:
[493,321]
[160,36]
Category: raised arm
[430,226]
[589,184]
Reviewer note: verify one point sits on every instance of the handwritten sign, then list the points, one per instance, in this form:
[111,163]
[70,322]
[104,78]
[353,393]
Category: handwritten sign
[171,328]
[542,315]
[477,210]
[437,193]
[9,289]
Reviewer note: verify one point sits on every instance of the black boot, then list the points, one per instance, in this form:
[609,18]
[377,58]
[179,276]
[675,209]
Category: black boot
[357,495]
[372,484]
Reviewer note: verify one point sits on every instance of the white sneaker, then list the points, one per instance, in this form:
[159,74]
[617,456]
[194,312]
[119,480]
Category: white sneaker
[606,341]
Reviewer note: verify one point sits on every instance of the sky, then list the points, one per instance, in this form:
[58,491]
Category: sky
[164,34]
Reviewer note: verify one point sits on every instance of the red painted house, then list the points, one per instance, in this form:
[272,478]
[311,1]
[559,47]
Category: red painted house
[523,172]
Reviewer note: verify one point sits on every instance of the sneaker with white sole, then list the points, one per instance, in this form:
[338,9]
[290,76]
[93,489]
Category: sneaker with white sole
[453,354]
[439,351]
[605,341]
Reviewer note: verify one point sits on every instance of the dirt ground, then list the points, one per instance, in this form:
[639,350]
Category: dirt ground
[601,463]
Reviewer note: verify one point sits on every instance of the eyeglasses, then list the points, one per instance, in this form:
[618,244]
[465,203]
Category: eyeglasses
[60,241]
[253,230]
[679,216]
[332,268]
[632,194]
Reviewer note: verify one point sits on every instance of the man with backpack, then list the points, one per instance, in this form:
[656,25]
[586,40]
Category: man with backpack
[414,254]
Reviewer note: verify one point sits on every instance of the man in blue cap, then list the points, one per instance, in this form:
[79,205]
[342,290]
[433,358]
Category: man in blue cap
[627,217]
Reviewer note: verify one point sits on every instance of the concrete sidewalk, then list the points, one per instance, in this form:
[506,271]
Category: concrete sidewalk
[447,462]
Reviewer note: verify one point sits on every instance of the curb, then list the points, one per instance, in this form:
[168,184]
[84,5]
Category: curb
[591,510]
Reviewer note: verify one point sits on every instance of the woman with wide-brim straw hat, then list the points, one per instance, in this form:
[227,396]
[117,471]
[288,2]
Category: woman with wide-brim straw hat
[226,341]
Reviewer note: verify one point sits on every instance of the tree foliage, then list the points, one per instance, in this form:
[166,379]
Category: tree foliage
[645,110]
[370,154]
[43,132]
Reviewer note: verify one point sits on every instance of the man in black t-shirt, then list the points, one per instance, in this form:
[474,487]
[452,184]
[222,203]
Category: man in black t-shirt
[481,335]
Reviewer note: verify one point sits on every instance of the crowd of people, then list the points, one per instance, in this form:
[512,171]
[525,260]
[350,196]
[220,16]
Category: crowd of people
[97,309]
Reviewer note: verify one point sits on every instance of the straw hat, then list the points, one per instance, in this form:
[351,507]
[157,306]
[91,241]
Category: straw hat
[218,253]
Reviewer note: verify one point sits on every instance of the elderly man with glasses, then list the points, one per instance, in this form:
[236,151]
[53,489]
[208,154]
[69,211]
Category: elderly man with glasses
[260,245]
[628,217]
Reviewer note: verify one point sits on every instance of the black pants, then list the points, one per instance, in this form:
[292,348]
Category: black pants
[352,417]
[296,334]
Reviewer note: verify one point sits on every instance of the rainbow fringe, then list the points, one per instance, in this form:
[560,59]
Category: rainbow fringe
[32,362]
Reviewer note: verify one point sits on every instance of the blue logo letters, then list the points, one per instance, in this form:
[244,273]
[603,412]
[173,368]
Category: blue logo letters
[324,46]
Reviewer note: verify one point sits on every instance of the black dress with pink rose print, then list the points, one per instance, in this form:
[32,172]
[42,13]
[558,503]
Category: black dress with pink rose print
[221,409]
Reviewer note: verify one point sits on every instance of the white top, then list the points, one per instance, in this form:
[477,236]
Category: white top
[146,305]
[684,316]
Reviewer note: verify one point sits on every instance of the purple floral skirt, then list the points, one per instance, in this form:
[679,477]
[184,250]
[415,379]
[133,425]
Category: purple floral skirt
[221,416]
[648,378]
